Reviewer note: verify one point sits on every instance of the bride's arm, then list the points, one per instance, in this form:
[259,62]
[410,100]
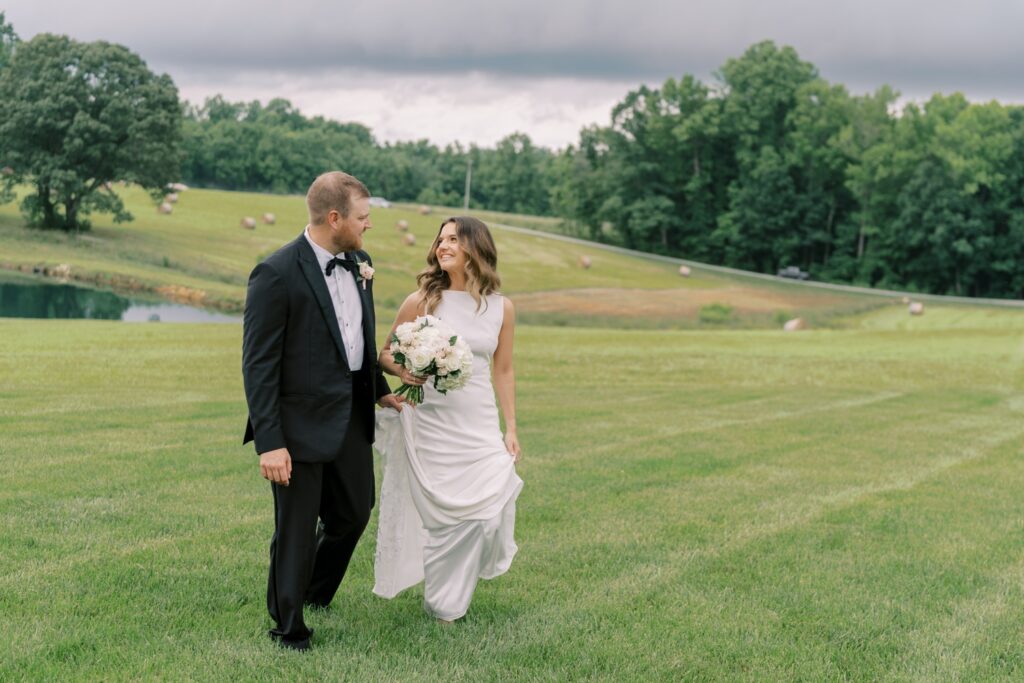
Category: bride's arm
[407,312]
[505,379]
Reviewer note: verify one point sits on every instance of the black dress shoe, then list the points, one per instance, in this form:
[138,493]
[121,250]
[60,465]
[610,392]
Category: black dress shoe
[300,645]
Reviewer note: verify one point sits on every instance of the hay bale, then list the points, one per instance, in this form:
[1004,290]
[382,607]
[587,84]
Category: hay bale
[684,271]
[269,218]
[171,198]
[409,239]
[585,262]
[164,208]
[62,271]
[177,187]
[795,325]
[916,308]
[905,300]
[248,222]
[402,225]
[424,210]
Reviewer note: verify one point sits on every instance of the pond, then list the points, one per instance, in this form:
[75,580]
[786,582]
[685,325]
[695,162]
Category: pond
[28,297]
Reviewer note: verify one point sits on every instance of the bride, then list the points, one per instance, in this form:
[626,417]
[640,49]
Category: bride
[448,497]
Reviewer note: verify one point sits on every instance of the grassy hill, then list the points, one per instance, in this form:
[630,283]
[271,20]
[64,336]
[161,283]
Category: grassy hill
[200,253]
[700,504]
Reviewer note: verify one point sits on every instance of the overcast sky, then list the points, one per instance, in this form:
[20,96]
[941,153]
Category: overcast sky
[478,70]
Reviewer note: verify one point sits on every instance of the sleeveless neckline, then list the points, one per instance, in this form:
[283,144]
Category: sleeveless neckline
[462,291]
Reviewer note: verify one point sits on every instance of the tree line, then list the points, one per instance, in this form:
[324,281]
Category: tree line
[275,148]
[774,166]
[768,166]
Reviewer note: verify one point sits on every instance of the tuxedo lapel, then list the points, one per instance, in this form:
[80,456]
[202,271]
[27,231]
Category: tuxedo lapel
[369,325]
[311,270]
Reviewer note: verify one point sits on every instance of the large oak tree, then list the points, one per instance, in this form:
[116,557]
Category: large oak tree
[75,117]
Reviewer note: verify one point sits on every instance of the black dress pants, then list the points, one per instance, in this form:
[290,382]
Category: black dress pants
[308,560]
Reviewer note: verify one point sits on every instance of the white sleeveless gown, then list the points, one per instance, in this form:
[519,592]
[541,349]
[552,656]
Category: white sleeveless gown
[447,508]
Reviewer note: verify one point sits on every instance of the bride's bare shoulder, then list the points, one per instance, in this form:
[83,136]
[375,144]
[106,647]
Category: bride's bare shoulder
[508,310]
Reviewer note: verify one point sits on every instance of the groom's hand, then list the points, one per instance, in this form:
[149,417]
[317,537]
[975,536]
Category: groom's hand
[276,466]
[391,401]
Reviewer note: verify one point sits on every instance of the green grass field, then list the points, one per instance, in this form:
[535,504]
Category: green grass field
[833,505]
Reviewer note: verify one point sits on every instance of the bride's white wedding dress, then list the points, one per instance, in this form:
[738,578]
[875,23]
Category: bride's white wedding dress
[447,508]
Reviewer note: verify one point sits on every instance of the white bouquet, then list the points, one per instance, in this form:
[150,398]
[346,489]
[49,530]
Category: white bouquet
[426,348]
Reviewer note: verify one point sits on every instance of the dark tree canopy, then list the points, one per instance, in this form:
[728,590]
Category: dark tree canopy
[77,116]
[773,166]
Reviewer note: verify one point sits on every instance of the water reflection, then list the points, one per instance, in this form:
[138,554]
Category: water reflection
[174,313]
[30,298]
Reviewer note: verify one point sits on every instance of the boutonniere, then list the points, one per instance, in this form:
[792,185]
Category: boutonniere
[365,272]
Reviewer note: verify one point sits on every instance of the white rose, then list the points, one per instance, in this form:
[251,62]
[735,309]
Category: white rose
[419,358]
[452,362]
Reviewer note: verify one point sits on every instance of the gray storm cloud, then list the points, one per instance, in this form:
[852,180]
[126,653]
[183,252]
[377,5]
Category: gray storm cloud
[475,71]
[864,42]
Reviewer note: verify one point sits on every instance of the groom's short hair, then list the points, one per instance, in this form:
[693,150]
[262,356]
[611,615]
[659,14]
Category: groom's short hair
[333,190]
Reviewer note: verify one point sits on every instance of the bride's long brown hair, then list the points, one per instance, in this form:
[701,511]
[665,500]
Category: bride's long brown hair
[481,264]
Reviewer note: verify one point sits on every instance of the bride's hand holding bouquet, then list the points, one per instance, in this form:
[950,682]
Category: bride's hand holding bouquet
[425,349]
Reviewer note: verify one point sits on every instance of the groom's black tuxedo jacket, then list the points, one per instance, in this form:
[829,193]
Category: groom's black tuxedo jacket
[300,390]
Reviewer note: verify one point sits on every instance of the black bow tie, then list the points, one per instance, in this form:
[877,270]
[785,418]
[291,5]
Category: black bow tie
[350,266]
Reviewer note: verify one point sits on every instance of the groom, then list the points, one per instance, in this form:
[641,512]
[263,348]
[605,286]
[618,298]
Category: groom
[309,362]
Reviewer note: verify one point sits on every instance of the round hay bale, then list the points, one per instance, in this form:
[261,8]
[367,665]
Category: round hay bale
[249,223]
[424,210]
[905,300]
[585,262]
[402,225]
[684,271]
[269,218]
[409,239]
[916,308]
[164,208]
[171,198]
[795,325]
[62,271]
[177,187]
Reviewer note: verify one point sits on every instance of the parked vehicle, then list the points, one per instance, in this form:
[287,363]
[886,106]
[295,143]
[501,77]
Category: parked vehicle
[794,273]
[380,203]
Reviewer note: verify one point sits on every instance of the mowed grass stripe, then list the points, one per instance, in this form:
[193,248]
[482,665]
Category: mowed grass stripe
[787,496]
[832,599]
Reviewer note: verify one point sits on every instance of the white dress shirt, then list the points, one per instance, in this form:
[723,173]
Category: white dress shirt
[347,307]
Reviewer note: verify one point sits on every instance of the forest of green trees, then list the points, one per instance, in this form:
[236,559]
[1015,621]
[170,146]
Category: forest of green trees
[775,166]
[767,166]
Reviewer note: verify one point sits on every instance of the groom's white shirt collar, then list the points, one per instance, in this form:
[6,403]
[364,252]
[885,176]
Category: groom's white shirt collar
[322,255]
